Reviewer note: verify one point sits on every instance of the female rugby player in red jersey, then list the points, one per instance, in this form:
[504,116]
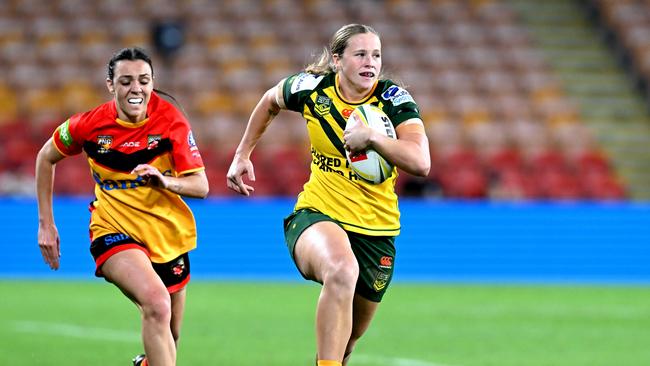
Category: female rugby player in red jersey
[143,158]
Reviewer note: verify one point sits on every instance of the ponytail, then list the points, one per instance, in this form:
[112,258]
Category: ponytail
[172,100]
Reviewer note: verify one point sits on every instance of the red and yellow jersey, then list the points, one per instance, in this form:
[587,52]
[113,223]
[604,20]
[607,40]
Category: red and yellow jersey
[155,217]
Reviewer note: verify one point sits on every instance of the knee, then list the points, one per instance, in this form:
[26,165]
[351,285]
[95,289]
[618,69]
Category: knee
[176,333]
[354,337]
[342,275]
[157,307]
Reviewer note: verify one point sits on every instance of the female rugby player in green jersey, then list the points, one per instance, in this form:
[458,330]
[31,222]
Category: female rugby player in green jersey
[341,233]
[143,158]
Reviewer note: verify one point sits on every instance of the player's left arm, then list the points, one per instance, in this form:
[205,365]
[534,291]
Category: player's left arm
[193,184]
[409,152]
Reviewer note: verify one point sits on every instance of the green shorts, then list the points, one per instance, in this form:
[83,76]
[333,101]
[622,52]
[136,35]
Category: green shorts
[375,254]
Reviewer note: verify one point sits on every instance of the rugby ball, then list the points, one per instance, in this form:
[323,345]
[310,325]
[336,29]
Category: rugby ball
[369,165]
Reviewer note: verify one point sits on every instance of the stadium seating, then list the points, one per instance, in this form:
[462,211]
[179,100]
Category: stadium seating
[494,110]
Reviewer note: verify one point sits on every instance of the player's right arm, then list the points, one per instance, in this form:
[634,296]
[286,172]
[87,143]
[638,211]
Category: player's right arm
[267,108]
[48,236]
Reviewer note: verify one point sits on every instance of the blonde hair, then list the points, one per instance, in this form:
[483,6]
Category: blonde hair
[339,42]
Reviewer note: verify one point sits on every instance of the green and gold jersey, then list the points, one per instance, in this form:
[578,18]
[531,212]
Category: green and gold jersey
[333,188]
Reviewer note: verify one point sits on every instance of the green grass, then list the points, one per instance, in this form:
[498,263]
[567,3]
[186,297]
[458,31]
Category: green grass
[241,324]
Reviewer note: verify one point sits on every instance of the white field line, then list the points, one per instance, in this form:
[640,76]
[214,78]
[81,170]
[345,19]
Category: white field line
[77,331]
[104,334]
[388,361]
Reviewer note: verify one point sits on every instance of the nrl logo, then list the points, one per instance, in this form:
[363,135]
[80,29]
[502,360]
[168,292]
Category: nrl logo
[380,281]
[323,105]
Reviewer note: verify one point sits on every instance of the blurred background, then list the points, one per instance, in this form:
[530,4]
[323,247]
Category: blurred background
[537,113]
[522,100]
[528,106]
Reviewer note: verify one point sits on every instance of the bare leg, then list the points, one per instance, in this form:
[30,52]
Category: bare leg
[323,253]
[131,271]
[178,309]
[363,312]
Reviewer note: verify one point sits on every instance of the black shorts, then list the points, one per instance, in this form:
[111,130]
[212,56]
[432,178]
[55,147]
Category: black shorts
[175,274]
[375,254]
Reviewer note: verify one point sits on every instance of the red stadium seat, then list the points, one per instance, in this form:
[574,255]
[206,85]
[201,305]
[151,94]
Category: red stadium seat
[73,177]
[601,185]
[592,161]
[506,159]
[514,183]
[559,184]
[467,181]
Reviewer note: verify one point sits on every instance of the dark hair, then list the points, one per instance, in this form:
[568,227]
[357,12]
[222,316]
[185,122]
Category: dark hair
[132,54]
[338,43]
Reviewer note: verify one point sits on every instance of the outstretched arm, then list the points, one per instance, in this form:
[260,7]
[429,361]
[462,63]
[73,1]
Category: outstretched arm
[267,108]
[48,235]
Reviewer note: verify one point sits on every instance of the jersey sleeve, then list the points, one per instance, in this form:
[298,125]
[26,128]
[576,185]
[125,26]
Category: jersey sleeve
[185,152]
[399,105]
[297,88]
[68,137]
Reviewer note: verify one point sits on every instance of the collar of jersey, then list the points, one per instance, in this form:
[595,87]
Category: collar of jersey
[131,124]
[340,95]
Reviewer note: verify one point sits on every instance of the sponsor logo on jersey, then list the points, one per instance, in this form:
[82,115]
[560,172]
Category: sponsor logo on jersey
[193,148]
[397,95]
[64,133]
[114,238]
[178,268]
[323,105]
[191,141]
[104,142]
[152,141]
[304,81]
[111,184]
[328,164]
[346,112]
[130,144]
[386,262]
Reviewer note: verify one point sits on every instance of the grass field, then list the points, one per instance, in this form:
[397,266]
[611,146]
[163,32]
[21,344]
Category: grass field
[271,324]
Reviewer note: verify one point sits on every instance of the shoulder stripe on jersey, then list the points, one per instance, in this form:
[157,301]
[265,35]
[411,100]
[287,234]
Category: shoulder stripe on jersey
[336,115]
[123,162]
[327,128]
